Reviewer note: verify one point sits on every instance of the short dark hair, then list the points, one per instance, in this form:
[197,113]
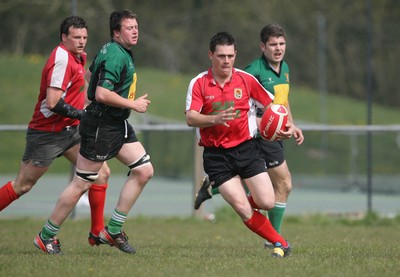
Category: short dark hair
[271,30]
[116,18]
[222,38]
[73,20]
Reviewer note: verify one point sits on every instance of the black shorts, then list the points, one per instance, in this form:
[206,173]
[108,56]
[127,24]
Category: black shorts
[222,164]
[272,152]
[43,147]
[103,138]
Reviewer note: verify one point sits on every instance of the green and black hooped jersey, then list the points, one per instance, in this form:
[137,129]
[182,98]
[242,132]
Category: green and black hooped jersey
[277,84]
[113,68]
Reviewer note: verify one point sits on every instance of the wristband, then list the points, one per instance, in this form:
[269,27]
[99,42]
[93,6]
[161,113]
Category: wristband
[67,110]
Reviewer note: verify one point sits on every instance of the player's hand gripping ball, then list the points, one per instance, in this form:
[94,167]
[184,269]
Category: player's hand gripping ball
[274,120]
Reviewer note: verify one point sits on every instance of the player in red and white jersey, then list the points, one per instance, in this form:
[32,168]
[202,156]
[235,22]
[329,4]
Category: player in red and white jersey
[219,104]
[207,96]
[64,72]
[273,73]
[53,130]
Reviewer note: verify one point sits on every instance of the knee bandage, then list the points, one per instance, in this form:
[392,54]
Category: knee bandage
[87,175]
[143,160]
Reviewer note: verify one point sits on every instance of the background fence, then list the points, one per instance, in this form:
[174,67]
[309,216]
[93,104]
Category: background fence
[331,172]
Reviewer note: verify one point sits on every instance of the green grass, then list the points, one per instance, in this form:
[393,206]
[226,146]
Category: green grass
[19,84]
[20,80]
[322,246]
[167,92]
[305,105]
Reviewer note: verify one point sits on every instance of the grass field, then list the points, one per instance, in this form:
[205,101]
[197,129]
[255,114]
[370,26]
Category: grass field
[322,246]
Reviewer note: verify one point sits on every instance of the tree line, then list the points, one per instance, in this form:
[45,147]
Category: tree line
[327,41]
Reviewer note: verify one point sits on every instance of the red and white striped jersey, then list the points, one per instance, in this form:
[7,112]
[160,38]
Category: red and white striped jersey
[65,71]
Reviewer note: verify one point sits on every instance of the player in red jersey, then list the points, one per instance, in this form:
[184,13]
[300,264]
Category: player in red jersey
[219,102]
[273,73]
[52,131]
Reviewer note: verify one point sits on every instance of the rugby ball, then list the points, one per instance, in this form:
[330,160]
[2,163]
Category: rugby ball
[273,120]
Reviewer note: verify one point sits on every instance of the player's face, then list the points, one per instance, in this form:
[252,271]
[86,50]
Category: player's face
[129,34]
[274,49]
[222,60]
[76,40]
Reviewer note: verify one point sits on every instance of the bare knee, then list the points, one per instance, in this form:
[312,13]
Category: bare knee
[80,184]
[264,202]
[27,177]
[244,210]
[283,189]
[282,184]
[142,170]
[287,182]
[143,174]
[267,204]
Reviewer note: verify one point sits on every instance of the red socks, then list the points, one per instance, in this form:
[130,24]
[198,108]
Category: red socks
[7,195]
[260,225]
[97,199]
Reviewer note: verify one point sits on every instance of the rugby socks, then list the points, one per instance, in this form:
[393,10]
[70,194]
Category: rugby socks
[49,230]
[260,225]
[97,199]
[116,222]
[7,195]
[275,215]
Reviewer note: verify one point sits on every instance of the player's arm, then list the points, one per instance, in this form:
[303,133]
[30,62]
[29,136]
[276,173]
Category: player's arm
[196,119]
[111,98]
[56,103]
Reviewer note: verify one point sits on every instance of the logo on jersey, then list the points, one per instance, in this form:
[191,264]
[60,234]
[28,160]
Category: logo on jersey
[104,48]
[238,93]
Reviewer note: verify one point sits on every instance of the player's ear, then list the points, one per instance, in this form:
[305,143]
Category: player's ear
[262,46]
[210,54]
[116,33]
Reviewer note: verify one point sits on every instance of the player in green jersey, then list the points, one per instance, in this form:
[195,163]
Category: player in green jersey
[273,73]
